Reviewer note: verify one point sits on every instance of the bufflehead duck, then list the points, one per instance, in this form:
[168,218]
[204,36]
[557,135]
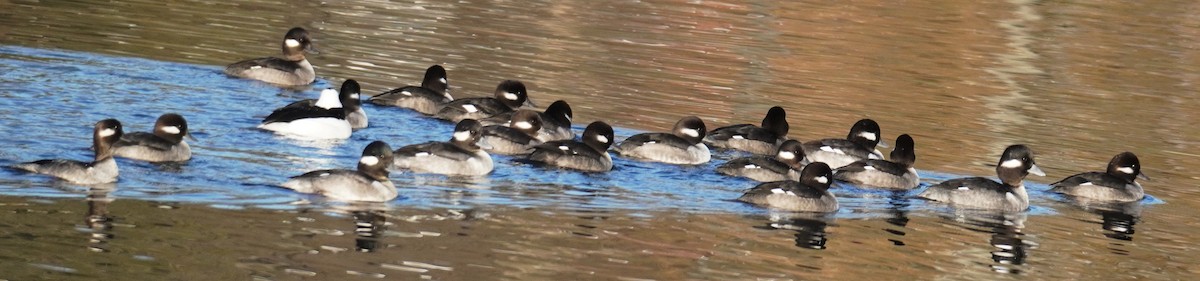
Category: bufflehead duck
[103,169]
[509,96]
[810,194]
[518,137]
[369,183]
[762,140]
[324,119]
[1119,183]
[785,165]
[895,174]
[459,156]
[427,99]
[682,146]
[556,121]
[350,97]
[165,144]
[291,70]
[858,145]
[984,193]
[590,154]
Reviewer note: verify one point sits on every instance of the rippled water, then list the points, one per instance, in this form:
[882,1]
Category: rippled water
[1078,83]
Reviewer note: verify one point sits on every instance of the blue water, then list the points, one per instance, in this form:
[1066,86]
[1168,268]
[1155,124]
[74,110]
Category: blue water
[51,98]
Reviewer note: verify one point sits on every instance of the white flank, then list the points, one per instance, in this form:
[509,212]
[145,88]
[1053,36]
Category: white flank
[831,149]
[1126,170]
[869,168]
[738,137]
[292,43]
[107,132]
[964,188]
[1012,163]
[255,66]
[323,175]
[421,154]
[777,191]
[174,130]
[564,148]
[602,139]
[462,135]
[791,193]
[1087,183]
[470,108]
[329,99]
[1010,196]
[406,93]
[691,132]
[822,179]
[523,125]
[312,128]
[369,160]
[787,155]
[510,96]
[869,135]
[750,166]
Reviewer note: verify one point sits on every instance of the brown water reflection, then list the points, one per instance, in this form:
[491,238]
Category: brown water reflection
[1079,82]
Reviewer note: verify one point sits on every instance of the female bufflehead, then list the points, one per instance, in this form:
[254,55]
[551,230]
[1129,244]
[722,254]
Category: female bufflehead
[509,95]
[350,97]
[984,193]
[895,174]
[590,155]
[858,145]
[291,70]
[810,194]
[1119,183]
[369,183]
[459,156]
[762,140]
[103,169]
[785,165]
[427,99]
[323,119]
[166,144]
[556,121]
[518,137]
[682,146]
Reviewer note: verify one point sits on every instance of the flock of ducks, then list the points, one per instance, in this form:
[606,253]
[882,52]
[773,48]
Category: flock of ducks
[796,175]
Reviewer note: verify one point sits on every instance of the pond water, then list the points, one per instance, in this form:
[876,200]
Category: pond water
[1078,83]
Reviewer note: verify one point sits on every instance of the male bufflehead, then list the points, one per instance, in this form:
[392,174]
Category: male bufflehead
[786,164]
[165,144]
[590,154]
[518,137]
[350,96]
[858,145]
[323,119]
[810,194]
[682,146]
[556,121]
[1119,183]
[291,70]
[102,169]
[369,183]
[459,156]
[427,99]
[895,174]
[762,140]
[983,193]
[509,96]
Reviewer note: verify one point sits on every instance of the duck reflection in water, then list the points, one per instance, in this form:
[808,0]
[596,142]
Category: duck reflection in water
[1117,219]
[897,212]
[97,222]
[1009,249]
[368,227]
[809,227]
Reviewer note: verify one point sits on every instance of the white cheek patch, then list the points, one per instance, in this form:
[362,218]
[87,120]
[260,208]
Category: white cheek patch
[1127,170]
[869,136]
[691,132]
[354,96]
[369,160]
[510,96]
[787,155]
[291,43]
[174,130]
[523,125]
[777,191]
[107,132]
[602,139]
[443,80]
[822,179]
[462,136]
[470,108]
[1012,163]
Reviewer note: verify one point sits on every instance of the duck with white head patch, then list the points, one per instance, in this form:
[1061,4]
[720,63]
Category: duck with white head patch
[517,138]
[589,155]
[509,96]
[810,194]
[682,146]
[895,174]
[368,183]
[350,97]
[428,98]
[291,70]
[982,193]
[323,119]
[786,164]
[165,144]
[858,145]
[102,169]
[761,140]
[556,121]
[1118,183]
[460,156]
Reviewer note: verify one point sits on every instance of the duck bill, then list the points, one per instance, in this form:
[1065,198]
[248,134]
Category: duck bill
[1036,171]
[312,48]
[190,137]
[1143,175]
[883,144]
